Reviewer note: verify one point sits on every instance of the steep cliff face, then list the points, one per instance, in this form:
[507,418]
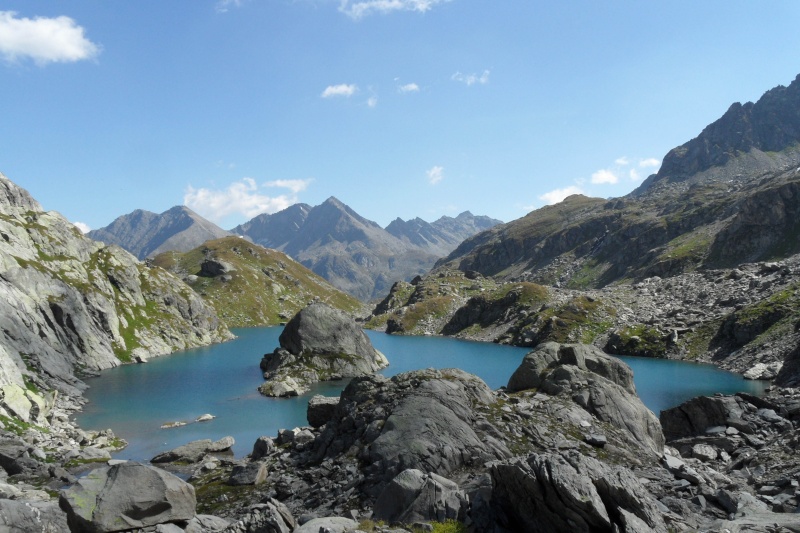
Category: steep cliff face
[69,304]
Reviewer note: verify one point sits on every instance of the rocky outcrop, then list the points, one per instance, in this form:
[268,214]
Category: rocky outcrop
[319,343]
[70,303]
[127,496]
[571,492]
[598,383]
[393,436]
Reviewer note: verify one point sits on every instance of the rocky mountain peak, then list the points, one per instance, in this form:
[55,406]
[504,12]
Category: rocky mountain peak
[772,124]
[146,234]
[14,198]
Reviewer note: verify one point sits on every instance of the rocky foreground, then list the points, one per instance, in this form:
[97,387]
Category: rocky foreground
[566,446]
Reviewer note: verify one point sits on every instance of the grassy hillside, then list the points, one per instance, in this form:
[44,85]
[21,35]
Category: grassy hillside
[250,285]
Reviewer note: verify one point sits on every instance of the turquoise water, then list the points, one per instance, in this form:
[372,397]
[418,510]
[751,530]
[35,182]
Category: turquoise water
[134,400]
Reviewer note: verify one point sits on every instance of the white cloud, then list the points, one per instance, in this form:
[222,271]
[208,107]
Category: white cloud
[360,9]
[471,79]
[408,88]
[435,174]
[604,176]
[295,186]
[343,89]
[83,227]
[223,6]
[372,101]
[557,195]
[622,161]
[44,40]
[242,197]
[649,162]
[634,175]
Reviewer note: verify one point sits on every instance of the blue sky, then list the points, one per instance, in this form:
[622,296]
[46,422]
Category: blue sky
[399,108]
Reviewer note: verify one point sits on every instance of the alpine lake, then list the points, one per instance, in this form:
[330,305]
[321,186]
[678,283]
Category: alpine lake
[222,380]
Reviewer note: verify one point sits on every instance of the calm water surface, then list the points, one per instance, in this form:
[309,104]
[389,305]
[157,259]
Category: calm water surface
[134,400]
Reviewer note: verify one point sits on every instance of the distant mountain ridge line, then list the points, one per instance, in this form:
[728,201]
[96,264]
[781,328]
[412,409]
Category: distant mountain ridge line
[355,254]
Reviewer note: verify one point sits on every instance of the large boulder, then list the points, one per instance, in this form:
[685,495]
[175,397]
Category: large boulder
[320,409]
[127,496]
[319,343]
[600,384]
[696,416]
[571,492]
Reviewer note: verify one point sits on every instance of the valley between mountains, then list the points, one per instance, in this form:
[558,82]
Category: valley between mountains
[700,263]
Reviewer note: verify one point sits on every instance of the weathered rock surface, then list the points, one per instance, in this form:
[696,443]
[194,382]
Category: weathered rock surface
[270,516]
[319,343]
[127,496]
[67,301]
[571,492]
[600,384]
[32,517]
[414,496]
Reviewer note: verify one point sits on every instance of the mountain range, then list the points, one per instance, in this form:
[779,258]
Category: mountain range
[700,262]
[728,196]
[354,254]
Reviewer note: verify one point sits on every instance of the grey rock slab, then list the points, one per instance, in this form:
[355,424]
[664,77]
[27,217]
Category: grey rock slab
[127,496]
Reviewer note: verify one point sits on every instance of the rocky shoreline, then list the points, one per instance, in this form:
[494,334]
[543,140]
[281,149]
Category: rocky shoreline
[568,423]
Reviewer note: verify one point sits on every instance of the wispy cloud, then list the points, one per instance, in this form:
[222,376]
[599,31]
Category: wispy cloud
[362,8]
[343,89]
[83,227]
[435,174]
[623,165]
[44,40]
[223,6]
[295,186]
[472,79]
[604,176]
[557,195]
[408,88]
[243,197]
